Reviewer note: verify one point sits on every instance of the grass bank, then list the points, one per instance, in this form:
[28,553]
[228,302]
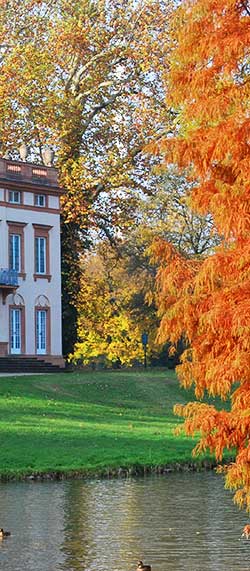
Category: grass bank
[90,422]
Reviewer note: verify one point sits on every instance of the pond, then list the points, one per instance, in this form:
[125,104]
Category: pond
[182,521]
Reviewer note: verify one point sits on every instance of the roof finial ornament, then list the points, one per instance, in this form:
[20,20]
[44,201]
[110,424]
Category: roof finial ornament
[23,152]
[48,156]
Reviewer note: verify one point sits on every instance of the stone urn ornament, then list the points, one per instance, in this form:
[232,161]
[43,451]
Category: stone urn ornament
[23,152]
[48,156]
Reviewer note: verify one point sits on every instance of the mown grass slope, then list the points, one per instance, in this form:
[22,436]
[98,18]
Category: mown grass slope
[90,421]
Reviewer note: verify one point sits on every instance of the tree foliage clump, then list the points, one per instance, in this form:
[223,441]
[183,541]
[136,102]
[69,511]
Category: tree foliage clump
[207,300]
[166,213]
[108,332]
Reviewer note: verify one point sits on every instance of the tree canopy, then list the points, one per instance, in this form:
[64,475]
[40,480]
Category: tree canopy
[75,75]
[207,300]
[116,300]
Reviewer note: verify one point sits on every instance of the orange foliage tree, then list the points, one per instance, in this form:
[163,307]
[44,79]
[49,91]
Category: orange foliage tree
[206,300]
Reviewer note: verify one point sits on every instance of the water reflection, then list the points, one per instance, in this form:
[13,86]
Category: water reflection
[178,522]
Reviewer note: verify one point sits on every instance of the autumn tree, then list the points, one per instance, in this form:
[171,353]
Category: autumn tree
[207,301]
[75,75]
[108,333]
[117,293]
[166,213]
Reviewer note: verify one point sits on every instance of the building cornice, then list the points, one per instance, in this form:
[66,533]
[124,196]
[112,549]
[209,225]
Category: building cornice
[40,209]
[18,175]
[43,226]
[28,186]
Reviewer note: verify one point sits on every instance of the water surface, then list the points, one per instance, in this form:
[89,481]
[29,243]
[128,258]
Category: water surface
[183,521]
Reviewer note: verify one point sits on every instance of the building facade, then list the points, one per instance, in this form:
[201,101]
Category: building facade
[30,269]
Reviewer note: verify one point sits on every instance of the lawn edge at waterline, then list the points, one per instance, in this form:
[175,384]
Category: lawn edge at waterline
[115,473]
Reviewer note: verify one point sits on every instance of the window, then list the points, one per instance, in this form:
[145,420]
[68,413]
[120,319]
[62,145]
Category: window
[40,255]
[40,200]
[15,196]
[17,329]
[16,247]
[42,251]
[42,330]
[15,252]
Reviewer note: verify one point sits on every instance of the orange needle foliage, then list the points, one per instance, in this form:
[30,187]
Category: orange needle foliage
[207,301]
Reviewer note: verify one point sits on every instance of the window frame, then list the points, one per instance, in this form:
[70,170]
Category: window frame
[40,255]
[13,255]
[42,231]
[22,328]
[47,329]
[12,193]
[17,229]
[37,196]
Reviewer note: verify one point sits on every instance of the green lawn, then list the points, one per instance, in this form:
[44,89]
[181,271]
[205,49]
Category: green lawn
[89,422]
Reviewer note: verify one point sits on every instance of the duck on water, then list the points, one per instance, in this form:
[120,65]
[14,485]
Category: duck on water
[142,567]
[3,533]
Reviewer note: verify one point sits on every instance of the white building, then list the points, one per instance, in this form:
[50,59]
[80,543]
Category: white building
[30,272]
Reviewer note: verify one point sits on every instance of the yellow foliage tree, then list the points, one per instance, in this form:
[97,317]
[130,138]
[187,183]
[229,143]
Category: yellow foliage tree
[107,331]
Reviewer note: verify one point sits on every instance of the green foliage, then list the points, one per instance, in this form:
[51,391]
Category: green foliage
[166,213]
[72,244]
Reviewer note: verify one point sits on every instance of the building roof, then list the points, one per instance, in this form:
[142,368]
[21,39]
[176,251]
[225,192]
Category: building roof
[23,175]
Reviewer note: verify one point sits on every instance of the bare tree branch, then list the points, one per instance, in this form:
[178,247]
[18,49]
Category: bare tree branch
[246,6]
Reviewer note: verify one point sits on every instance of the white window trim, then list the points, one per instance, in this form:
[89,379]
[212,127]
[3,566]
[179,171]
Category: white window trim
[37,200]
[12,196]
